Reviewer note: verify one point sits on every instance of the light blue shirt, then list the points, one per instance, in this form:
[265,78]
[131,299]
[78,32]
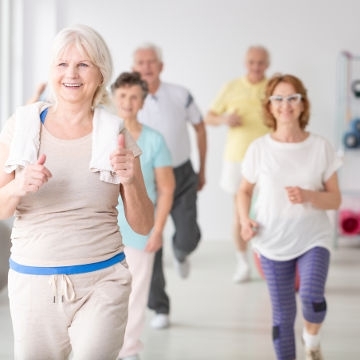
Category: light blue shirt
[155,154]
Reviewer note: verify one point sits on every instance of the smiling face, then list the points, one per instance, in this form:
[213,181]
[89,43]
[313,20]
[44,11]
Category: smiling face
[286,107]
[128,101]
[75,79]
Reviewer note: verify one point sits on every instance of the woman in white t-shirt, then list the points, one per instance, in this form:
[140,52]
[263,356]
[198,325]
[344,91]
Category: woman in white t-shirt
[294,172]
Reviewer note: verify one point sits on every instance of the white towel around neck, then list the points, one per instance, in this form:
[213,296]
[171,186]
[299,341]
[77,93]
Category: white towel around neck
[25,145]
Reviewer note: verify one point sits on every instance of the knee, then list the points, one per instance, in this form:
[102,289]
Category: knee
[314,311]
[275,332]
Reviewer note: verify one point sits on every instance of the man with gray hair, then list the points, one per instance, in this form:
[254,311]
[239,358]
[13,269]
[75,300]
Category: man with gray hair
[170,108]
[238,106]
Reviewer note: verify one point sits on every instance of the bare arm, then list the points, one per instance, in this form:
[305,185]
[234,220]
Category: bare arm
[328,199]
[243,202]
[230,120]
[138,208]
[37,94]
[202,148]
[165,184]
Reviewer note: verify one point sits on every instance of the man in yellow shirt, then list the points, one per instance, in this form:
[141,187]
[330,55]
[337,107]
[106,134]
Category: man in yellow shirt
[238,106]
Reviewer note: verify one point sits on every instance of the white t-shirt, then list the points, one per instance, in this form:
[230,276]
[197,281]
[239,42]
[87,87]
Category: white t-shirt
[288,230]
[169,111]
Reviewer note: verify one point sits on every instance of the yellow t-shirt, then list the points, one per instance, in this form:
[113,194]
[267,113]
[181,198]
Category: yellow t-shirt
[243,98]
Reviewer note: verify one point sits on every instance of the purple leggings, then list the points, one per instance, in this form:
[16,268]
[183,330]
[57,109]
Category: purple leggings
[280,277]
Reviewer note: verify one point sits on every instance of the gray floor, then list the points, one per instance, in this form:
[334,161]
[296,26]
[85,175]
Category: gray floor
[214,319]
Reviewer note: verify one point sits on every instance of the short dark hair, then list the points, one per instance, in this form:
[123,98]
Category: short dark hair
[130,79]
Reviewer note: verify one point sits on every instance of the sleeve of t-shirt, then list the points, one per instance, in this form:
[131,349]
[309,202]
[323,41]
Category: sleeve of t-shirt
[193,112]
[162,157]
[251,162]
[333,160]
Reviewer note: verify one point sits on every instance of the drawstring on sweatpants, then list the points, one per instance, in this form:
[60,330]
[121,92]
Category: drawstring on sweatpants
[66,287]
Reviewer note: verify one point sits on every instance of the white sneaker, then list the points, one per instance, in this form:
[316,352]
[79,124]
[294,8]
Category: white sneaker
[182,267]
[160,321]
[242,273]
[313,354]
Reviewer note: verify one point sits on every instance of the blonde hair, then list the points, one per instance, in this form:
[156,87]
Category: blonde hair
[91,42]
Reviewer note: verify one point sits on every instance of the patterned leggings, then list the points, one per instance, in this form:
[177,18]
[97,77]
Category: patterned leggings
[280,277]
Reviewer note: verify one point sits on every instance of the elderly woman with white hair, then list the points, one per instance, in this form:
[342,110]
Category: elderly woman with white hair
[64,165]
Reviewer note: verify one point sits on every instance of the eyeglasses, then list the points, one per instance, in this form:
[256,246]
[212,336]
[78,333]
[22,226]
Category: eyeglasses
[290,99]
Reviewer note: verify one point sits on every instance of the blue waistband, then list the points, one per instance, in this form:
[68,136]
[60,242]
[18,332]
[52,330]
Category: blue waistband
[66,270]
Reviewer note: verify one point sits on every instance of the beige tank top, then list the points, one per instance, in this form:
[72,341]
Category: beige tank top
[72,219]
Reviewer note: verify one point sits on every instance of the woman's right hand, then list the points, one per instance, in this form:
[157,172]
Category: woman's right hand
[249,229]
[122,161]
[33,177]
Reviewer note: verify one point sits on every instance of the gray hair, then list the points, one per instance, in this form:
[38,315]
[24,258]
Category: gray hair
[261,48]
[91,42]
[150,46]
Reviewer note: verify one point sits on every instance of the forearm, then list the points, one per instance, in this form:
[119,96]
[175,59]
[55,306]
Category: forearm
[323,200]
[248,226]
[202,146]
[214,119]
[243,203]
[8,201]
[163,208]
[139,210]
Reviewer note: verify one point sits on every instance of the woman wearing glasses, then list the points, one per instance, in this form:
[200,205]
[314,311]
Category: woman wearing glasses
[295,175]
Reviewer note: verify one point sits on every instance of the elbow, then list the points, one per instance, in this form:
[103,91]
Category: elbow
[147,223]
[333,204]
[337,202]
[142,220]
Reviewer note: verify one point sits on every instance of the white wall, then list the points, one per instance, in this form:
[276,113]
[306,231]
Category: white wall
[204,43]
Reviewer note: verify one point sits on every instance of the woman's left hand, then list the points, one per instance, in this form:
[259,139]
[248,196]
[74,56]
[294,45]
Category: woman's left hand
[296,194]
[122,161]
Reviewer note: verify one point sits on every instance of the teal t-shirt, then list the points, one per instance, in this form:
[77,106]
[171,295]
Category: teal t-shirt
[155,154]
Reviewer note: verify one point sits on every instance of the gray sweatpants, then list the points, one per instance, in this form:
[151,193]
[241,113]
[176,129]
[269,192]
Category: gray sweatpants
[186,237]
[83,313]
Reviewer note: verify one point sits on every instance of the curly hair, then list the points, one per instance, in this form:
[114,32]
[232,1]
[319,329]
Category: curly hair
[130,79]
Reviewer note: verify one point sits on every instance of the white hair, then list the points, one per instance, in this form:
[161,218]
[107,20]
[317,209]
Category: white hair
[89,41]
[261,48]
[150,46]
